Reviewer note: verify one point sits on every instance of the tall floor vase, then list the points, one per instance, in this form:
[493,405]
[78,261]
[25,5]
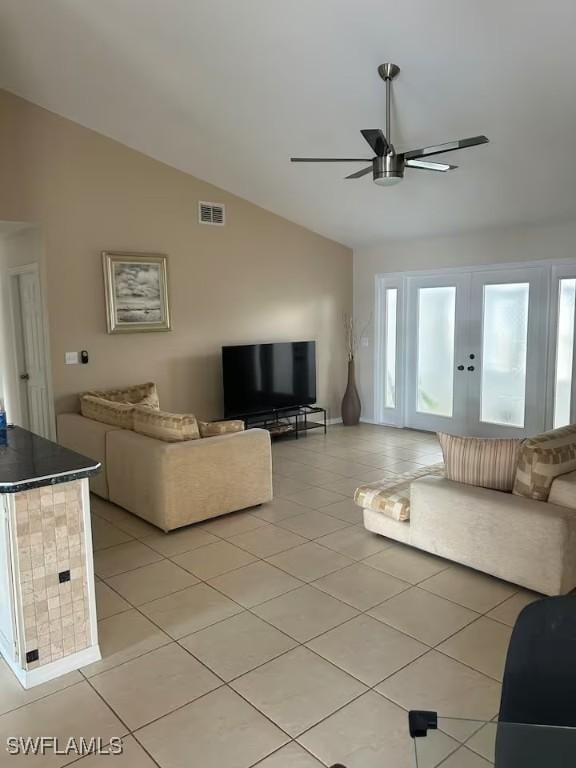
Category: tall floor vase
[351,406]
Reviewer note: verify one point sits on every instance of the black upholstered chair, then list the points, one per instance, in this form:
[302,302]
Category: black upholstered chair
[539,684]
[539,687]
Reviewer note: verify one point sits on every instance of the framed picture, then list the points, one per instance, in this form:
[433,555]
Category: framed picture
[136,292]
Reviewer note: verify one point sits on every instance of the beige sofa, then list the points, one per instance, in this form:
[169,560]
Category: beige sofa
[530,543]
[527,537]
[172,484]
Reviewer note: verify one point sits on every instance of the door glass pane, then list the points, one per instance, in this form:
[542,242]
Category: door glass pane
[564,352]
[390,375]
[504,343]
[435,382]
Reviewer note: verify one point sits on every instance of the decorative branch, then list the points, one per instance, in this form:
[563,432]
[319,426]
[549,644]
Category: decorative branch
[352,336]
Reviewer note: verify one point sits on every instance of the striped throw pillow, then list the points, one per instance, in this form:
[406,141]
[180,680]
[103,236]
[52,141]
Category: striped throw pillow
[487,462]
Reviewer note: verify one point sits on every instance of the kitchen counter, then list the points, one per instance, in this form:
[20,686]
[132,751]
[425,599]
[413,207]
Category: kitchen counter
[29,461]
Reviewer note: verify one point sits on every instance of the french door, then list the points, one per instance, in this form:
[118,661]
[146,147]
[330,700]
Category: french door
[476,356]
[436,390]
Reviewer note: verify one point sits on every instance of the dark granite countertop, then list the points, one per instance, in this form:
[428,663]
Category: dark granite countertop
[30,461]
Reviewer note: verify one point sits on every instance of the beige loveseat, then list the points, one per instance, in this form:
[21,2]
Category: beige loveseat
[528,541]
[172,484]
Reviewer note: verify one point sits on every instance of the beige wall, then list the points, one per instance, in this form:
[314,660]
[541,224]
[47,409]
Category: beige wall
[261,278]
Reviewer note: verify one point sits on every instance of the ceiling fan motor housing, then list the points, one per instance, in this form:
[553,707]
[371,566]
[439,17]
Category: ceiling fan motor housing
[388,169]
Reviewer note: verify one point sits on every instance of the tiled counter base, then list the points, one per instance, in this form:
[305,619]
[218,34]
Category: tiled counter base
[47,597]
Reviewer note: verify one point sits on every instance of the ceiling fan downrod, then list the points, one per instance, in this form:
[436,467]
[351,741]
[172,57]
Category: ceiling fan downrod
[388,72]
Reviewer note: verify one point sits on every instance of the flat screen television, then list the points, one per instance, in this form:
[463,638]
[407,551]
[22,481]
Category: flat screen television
[265,377]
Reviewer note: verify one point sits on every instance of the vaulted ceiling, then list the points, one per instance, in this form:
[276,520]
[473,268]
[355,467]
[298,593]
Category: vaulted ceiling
[228,90]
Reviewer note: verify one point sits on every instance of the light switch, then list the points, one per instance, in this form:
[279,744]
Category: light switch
[365,341]
[71,358]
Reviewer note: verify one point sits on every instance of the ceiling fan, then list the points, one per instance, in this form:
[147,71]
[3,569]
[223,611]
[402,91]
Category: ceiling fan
[388,166]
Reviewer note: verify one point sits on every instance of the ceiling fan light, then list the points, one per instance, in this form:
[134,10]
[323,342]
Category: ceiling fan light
[387,181]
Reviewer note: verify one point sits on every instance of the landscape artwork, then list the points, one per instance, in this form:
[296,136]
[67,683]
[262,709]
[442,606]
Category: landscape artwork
[136,292]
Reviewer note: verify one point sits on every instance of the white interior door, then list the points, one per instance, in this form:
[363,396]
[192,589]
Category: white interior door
[34,374]
[436,385]
[508,335]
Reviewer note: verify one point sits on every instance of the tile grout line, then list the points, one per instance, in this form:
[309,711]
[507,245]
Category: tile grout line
[249,610]
[303,645]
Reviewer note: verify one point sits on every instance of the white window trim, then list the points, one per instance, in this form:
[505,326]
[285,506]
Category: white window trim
[557,269]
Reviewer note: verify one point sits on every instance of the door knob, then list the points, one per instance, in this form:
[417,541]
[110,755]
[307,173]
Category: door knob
[460,367]
[470,367]
[25,376]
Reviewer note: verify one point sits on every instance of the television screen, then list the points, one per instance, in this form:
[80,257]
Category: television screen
[264,377]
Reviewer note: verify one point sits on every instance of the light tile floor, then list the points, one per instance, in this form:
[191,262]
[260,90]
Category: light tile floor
[284,636]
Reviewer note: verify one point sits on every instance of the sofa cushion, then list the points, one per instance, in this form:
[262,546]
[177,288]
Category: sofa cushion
[393,502]
[170,427]
[108,412]
[391,497]
[486,462]
[141,394]
[214,428]
[563,491]
[542,459]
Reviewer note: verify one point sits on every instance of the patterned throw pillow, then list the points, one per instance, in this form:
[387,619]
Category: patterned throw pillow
[108,412]
[139,394]
[214,428]
[170,427]
[542,459]
[487,462]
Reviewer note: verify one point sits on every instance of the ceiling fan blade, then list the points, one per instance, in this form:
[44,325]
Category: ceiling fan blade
[377,141]
[426,166]
[359,174]
[330,159]
[449,146]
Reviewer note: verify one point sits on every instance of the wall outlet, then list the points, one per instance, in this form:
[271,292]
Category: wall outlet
[71,358]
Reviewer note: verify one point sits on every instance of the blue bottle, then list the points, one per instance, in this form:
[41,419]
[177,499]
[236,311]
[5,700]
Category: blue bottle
[3,425]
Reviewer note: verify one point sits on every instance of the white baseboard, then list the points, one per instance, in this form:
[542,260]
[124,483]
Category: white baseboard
[330,422]
[380,423]
[30,677]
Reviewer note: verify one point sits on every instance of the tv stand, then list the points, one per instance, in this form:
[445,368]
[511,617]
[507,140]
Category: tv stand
[295,420]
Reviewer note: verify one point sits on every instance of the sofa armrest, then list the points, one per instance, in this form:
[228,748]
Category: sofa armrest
[174,484]
[87,437]
[532,543]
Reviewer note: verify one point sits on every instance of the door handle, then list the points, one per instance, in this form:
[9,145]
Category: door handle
[470,367]
[460,368]
[25,376]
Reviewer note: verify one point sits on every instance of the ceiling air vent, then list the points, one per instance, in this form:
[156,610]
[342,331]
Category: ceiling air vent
[211,213]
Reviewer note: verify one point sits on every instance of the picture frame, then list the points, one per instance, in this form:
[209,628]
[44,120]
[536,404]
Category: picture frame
[136,287]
